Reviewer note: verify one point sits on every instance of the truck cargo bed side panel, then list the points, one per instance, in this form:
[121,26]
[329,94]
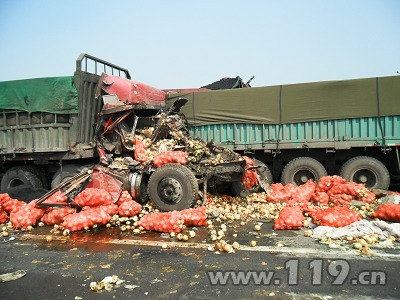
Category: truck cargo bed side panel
[335,134]
[34,132]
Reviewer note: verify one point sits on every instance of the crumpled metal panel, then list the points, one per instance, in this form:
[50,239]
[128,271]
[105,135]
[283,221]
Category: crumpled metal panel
[130,92]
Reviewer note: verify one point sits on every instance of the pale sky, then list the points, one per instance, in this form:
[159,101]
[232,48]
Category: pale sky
[183,44]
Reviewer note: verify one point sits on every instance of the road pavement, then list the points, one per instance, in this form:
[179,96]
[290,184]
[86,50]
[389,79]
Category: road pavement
[283,265]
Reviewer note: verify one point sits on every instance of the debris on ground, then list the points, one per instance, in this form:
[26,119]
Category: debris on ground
[107,283]
[12,276]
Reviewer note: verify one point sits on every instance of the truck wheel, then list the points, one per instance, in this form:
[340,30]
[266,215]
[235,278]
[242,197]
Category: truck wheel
[265,174]
[299,170]
[67,172]
[173,187]
[23,175]
[367,170]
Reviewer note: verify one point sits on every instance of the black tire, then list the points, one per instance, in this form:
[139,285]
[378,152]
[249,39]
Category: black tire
[368,170]
[173,187]
[23,175]
[263,171]
[67,172]
[299,170]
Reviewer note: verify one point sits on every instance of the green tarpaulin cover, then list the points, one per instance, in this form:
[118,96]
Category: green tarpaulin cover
[53,94]
[294,103]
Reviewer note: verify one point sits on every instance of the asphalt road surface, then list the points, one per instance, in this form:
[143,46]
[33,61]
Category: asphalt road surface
[283,266]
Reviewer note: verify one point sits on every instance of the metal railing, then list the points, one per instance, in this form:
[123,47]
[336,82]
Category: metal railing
[89,63]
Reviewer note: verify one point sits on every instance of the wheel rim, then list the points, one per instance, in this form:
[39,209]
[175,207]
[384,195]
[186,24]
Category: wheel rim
[14,183]
[170,190]
[302,176]
[365,176]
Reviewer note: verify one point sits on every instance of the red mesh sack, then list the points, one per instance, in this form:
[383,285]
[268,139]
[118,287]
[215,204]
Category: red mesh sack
[56,215]
[27,215]
[320,198]
[337,216]
[303,194]
[280,192]
[174,221]
[140,151]
[124,197]
[111,209]
[101,180]
[129,209]
[167,157]
[327,182]
[57,197]
[340,200]
[388,212]
[366,196]
[249,179]
[9,204]
[162,222]
[194,216]
[93,197]
[3,215]
[85,219]
[289,218]
[350,188]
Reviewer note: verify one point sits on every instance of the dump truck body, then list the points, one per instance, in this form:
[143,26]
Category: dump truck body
[46,123]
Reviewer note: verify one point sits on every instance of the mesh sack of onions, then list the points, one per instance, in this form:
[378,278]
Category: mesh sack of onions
[174,221]
[289,218]
[249,179]
[167,157]
[57,197]
[336,216]
[3,216]
[366,196]
[388,212]
[56,215]
[124,197]
[327,182]
[280,192]
[26,215]
[129,208]
[194,216]
[162,222]
[303,194]
[340,200]
[111,209]
[320,198]
[349,188]
[93,197]
[9,204]
[140,151]
[86,219]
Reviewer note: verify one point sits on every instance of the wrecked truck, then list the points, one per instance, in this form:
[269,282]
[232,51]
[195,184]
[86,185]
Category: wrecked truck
[149,145]
[51,127]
